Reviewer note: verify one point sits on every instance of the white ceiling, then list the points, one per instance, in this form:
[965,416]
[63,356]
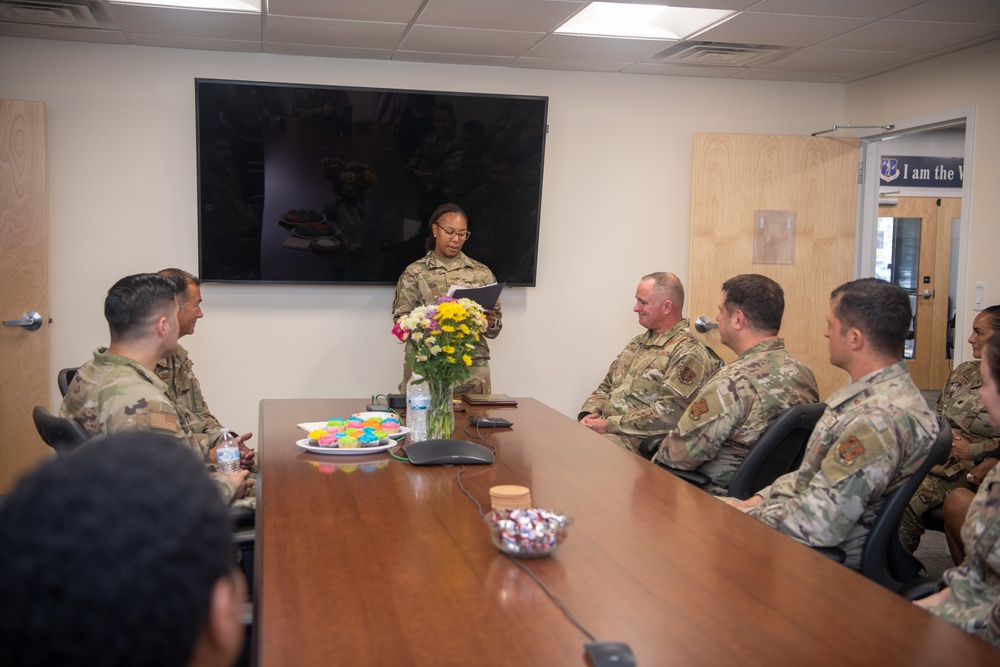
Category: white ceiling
[793,40]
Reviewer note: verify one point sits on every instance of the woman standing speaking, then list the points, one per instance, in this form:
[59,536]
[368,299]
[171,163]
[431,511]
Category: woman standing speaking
[444,265]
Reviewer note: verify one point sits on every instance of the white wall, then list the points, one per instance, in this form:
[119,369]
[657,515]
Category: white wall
[616,205]
[955,80]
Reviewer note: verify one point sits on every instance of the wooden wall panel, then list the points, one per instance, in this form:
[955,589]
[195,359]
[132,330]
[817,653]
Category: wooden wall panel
[816,177]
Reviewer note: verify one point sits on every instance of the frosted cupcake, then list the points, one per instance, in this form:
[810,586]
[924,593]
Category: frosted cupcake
[348,442]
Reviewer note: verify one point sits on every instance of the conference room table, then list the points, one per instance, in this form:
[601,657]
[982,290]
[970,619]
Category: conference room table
[369,560]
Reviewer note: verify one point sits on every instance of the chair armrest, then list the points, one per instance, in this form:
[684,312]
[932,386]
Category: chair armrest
[919,588]
[243,517]
[691,476]
[836,554]
[650,445]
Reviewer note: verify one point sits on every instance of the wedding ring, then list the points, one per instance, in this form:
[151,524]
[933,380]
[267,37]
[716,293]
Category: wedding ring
[969,476]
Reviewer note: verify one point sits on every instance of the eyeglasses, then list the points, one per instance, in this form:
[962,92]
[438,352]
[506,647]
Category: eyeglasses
[451,233]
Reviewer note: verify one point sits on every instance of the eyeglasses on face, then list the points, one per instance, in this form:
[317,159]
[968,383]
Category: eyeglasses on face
[451,233]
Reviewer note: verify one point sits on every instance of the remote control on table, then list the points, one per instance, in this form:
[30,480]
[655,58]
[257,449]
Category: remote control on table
[489,422]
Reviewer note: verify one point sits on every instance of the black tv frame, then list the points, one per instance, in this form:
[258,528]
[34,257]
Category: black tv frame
[290,145]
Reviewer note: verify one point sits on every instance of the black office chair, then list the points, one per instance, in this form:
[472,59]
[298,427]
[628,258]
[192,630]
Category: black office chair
[64,377]
[61,434]
[778,451]
[885,560]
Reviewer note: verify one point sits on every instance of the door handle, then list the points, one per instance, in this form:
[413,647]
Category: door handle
[703,324]
[927,293]
[30,321]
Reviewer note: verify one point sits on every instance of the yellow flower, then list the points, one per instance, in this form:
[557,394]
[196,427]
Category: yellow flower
[448,349]
[447,328]
[467,359]
[465,329]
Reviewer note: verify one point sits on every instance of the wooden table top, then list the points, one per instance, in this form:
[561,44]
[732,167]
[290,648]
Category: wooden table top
[367,560]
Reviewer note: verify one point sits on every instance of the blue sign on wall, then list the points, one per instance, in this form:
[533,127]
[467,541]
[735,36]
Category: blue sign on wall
[922,172]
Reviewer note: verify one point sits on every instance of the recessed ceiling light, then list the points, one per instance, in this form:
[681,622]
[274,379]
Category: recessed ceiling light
[614,19]
[250,6]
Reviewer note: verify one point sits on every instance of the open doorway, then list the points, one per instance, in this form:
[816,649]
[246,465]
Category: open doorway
[917,237]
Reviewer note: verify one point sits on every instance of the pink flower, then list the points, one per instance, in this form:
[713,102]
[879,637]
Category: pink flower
[400,333]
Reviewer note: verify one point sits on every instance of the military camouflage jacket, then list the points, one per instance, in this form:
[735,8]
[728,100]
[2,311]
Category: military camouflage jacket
[727,416]
[650,384]
[974,604]
[113,393]
[872,437]
[184,390]
[423,281]
[960,405]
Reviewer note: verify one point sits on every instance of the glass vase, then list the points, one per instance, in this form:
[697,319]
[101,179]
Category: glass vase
[440,414]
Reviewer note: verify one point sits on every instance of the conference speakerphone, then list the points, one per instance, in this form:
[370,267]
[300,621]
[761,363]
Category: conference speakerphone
[489,422]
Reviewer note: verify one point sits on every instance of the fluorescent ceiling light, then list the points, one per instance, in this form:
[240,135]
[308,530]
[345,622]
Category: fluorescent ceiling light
[250,6]
[613,19]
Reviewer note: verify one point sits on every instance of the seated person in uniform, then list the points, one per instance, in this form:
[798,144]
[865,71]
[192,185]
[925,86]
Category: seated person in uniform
[873,436]
[176,370]
[119,554]
[729,413]
[970,598]
[118,391]
[652,381]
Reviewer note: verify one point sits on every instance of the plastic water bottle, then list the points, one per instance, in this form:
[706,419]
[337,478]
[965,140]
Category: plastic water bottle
[418,399]
[228,453]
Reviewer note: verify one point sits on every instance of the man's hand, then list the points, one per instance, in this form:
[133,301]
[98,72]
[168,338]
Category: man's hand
[978,474]
[595,423]
[244,485]
[246,454]
[961,447]
[752,501]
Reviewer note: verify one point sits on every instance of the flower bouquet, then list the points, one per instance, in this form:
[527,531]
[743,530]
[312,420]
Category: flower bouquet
[439,340]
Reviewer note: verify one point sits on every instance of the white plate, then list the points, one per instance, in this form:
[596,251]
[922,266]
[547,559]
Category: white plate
[304,444]
[312,426]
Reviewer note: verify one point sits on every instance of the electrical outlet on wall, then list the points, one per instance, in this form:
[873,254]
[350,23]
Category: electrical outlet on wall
[979,298]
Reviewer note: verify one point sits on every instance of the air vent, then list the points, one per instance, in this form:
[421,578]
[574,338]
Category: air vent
[67,14]
[718,54]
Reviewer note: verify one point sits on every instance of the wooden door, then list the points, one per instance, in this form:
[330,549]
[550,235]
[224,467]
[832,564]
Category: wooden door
[24,355]
[927,280]
[804,191]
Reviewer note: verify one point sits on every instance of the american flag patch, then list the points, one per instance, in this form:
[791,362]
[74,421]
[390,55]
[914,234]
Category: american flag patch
[163,421]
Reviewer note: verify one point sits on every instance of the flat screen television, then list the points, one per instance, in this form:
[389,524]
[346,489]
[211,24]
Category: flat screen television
[331,184]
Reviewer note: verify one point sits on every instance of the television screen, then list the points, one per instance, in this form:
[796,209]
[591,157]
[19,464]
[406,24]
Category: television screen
[330,184]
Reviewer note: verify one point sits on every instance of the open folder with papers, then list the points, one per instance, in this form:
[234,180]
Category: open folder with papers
[486,296]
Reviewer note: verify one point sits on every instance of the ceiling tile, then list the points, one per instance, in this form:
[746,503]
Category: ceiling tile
[329,32]
[858,8]
[453,58]
[433,39]
[893,35]
[236,26]
[326,51]
[779,29]
[766,75]
[200,43]
[596,49]
[522,15]
[840,61]
[961,11]
[383,11]
[571,65]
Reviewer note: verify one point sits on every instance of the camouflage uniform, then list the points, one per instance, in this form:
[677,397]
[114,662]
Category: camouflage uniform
[651,383]
[734,407]
[423,281]
[960,405]
[184,390]
[872,437]
[974,604]
[113,393]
